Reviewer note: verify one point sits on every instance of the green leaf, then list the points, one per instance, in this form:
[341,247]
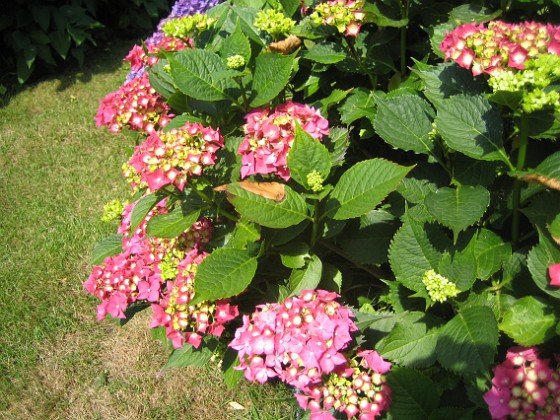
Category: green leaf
[360,104]
[415,249]
[246,16]
[337,143]
[325,53]
[223,274]
[491,252]
[413,394]
[410,344]
[307,278]
[107,247]
[294,255]
[368,241]
[190,356]
[539,259]
[467,171]
[171,225]
[60,42]
[306,155]
[272,73]
[245,233]
[547,173]
[41,15]
[468,342]
[459,267]
[404,122]
[448,79]
[236,44]
[458,208]
[530,321]
[193,71]
[467,13]
[232,376]
[142,208]
[266,212]
[363,187]
[554,229]
[290,6]
[473,126]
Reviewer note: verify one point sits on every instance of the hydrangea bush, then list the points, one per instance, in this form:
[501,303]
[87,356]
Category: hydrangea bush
[360,199]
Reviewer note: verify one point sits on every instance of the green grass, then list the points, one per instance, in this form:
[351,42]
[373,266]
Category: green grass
[56,361]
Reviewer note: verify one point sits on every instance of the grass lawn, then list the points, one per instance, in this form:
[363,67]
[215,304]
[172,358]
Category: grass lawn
[56,360]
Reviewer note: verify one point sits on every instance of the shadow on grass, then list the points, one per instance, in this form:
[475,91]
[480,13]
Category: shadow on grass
[106,58]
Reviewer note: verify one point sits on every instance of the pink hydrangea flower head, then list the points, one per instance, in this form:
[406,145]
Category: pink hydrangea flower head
[524,383]
[499,45]
[135,106]
[170,158]
[269,135]
[554,273]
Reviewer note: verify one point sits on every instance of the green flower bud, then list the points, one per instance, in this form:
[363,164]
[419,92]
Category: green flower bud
[235,61]
[315,181]
[273,22]
[112,210]
[439,288]
[188,26]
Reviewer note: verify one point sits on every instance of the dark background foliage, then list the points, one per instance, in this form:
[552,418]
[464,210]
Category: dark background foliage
[43,36]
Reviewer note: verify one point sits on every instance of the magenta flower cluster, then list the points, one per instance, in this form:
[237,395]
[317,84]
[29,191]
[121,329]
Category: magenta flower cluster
[499,45]
[269,135]
[135,105]
[170,157]
[358,390]
[524,386]
[184,322]
[138,58]
[139,273]
[303,342]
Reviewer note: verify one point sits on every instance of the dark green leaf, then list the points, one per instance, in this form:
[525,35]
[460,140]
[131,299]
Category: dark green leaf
[306,155]
[190,356]
[272,73]
[108,247]
[360,104]
[491,253]
[539,259]
[142,208]
[413,394]
[530,321]
[325,53]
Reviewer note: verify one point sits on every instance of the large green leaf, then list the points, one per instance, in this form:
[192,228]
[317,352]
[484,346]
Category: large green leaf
[194,70]
[415,249]
[458,208]
[405,122]
[363,187]
[306,155]
[413,394]
[326,53]
[530,321]
[410,344]
[459,267]
[360,103]
[448,79]
[223,274]
[490,252]
[190,356]
[468,342]
[268,212]
[171,225]
[142,208]
[306,278]
[236,44]
[539,259]
[272,73]
[473,126]
[107,247]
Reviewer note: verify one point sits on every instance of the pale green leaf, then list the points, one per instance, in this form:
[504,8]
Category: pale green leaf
[171,225]
[530,321]
[223,274]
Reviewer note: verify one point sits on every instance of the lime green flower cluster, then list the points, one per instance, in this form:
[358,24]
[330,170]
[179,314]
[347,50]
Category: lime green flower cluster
[274,22]
[345,15]
[439,288]
[170,262]
[188,26]
[235,61]
[112,210]
[315,181]
[532,81]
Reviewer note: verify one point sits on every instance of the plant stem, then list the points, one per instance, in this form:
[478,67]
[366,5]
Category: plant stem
[315,228]
[521,155]
[404,15]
